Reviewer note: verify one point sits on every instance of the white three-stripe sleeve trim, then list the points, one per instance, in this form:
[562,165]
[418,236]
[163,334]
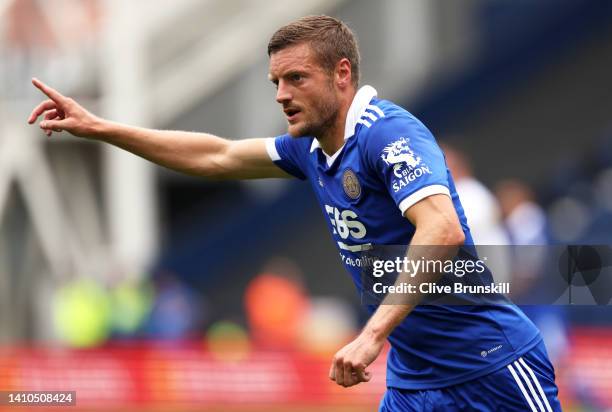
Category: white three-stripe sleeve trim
[377,110]
[522,388]
[364,121]
[422,194]
[271,149]
[530,386]
[537,382]
[371,116]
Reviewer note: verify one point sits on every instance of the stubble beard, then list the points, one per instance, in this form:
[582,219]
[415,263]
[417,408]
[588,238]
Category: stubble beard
[326,115]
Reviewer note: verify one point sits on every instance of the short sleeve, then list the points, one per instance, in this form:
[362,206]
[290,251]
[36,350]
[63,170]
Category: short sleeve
[288,154]
[406,157]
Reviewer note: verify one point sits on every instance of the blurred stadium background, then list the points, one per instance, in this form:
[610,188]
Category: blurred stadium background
[143,289]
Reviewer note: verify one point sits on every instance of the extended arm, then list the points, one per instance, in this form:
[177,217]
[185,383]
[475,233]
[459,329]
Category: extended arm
[438,228]
[198,154]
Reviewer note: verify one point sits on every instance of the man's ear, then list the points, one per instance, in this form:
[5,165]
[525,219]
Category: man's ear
[343,73]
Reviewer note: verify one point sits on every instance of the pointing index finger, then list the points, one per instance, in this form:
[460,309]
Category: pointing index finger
[49,91]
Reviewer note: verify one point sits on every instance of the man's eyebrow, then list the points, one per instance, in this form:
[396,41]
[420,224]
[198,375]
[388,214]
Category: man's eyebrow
[295,71]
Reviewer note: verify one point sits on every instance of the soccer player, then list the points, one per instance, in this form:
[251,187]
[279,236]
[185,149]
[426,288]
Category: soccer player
[380,179]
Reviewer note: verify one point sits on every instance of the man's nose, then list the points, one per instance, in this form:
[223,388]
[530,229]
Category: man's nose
[282,93]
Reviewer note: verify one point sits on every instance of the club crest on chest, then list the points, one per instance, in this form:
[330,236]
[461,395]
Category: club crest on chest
[351,184]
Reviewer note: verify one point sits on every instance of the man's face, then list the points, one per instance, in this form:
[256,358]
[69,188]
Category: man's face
[305,90]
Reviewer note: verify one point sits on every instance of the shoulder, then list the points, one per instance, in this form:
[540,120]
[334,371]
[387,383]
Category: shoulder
[392,123]
[290,153]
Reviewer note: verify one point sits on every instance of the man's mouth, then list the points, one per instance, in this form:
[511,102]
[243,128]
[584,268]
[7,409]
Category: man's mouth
[291,114]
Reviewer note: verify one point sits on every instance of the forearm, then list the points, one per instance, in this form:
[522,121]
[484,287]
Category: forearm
[193,153]
[198,154]
[431,244]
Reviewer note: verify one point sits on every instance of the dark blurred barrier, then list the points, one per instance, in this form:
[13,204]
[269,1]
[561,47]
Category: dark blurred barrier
[547,29]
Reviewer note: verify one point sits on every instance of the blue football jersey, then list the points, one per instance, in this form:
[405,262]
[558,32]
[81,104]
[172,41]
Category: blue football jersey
[390,161]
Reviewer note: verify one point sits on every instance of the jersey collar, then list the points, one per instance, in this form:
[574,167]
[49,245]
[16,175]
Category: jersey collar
[357,109]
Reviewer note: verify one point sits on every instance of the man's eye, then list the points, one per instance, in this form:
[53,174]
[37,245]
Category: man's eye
[296,77]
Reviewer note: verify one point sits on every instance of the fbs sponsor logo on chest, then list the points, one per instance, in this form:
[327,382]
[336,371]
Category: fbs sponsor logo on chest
[407,166]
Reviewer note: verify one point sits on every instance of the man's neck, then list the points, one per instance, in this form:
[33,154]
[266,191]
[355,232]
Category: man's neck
[333,139]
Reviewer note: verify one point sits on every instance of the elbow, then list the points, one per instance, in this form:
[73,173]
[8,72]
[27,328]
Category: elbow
[455,236]
[451,234]
[207,173]
[211,168]
[443,233]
